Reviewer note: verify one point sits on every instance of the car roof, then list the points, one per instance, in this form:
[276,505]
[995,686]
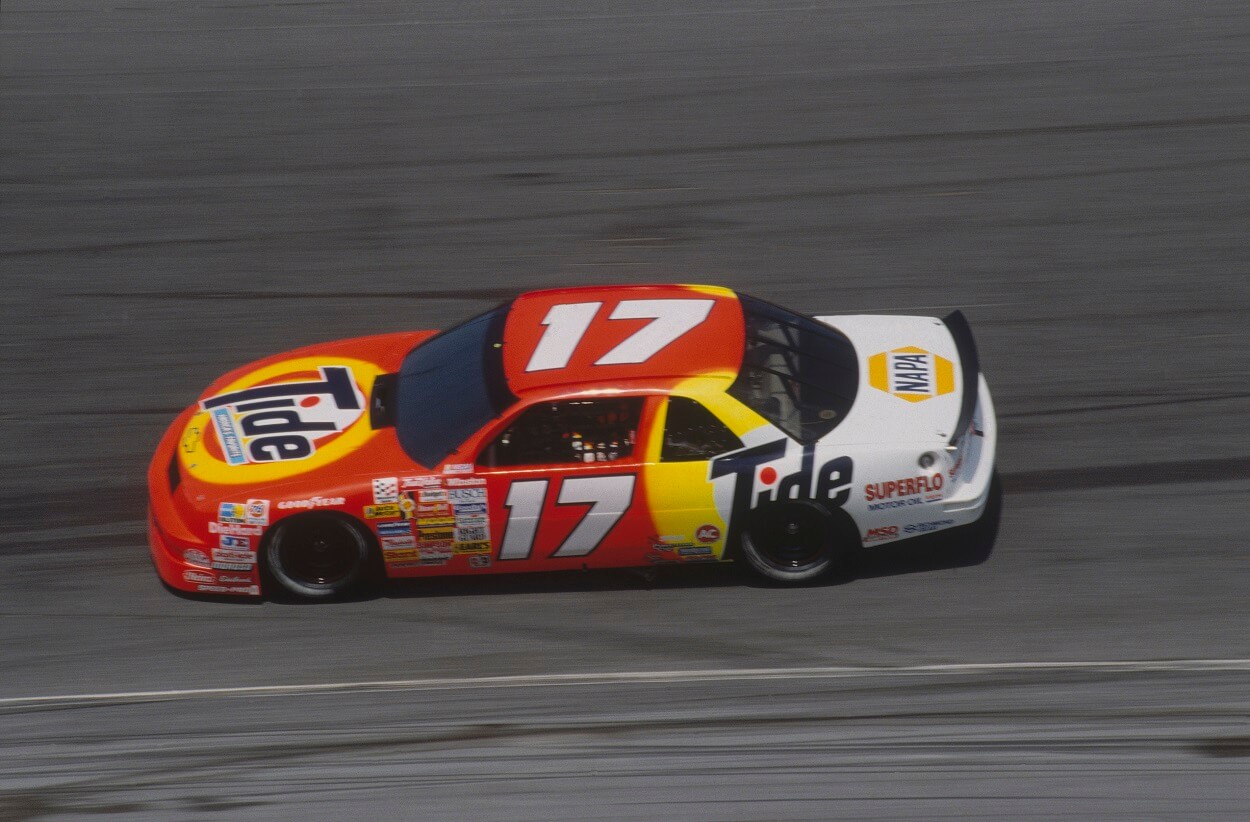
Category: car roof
[602,337]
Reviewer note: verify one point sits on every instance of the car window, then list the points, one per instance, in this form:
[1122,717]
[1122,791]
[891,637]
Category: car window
[570,432]
[799,374]
[691,432]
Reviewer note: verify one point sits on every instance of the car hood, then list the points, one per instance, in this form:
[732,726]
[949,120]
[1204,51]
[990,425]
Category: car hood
[288,416]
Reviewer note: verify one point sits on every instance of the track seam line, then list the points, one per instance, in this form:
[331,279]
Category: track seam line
[647,677]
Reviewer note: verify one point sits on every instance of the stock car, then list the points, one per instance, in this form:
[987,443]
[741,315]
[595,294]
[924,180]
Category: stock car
[576,428]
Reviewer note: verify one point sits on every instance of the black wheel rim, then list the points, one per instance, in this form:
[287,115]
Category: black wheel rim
[320,554]
[792,540]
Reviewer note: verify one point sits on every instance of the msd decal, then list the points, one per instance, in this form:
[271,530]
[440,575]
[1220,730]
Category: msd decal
[911,374]
[284,420]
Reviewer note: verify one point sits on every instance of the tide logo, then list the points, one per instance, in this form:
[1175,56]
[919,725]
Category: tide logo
[829,484]
[284,421]
[286,418]
[911,373]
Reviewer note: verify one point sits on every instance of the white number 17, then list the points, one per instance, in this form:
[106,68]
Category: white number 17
[566,325]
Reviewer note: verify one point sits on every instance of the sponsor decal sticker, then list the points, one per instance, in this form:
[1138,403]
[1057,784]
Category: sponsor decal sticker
[394,529]
[194,556]
[479,561]
[399,542]
[388,511]
[459,482]
[461,495]
[473,533]
[882,534]
[234,557]
[232,566]
[236,530]
[401,554]
[476,547]
[926,527]
[236,543]
[311,502]
[912,374]
[419,482]
[436,534]
[199,576]
[253,590]
[432,495]
[231,512]
[903,492]
[695,551]
[385,490]
[257,512]
[235,579]
[458,468]
[191,439]
[707,533]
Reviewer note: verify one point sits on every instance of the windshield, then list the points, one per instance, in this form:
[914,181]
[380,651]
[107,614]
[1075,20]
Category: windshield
[450,386]
[799,374]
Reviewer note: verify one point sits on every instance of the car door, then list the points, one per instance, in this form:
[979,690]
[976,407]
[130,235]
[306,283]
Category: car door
[564,482]
[689,526]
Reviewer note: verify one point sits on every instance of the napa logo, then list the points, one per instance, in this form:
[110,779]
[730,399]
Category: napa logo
[911,373]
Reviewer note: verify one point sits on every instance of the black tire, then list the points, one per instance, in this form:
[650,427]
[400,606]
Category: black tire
[320,556]
[794,542]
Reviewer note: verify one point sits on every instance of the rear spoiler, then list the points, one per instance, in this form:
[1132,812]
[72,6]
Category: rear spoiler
[970,367]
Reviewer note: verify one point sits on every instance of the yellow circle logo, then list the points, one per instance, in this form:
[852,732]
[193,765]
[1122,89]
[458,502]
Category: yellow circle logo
[911,374]
[284,419]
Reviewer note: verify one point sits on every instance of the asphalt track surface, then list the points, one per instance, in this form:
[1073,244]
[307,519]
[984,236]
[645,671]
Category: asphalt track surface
[187,186]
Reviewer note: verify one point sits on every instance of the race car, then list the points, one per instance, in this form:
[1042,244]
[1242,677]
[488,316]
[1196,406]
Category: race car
[576,428]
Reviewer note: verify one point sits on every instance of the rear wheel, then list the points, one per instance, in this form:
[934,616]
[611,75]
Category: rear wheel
[319,556]
[794,542]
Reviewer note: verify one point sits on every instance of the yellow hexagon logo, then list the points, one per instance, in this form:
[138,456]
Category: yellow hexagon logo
[911,373]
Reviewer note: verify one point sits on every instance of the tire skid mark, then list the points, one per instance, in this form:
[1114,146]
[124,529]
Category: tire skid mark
[1219,469]
[786,197]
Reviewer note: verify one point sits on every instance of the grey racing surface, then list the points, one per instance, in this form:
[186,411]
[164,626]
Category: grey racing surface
[190,186]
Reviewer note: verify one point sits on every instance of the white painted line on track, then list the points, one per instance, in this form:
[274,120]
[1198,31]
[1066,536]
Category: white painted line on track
[648,677]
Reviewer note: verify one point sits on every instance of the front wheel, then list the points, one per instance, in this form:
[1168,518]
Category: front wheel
[319,556]
[793,542]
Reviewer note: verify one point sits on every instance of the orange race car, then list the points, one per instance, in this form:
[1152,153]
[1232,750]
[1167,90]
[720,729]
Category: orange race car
[576,428]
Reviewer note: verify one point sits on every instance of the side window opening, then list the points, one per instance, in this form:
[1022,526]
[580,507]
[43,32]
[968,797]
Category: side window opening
[570,432]
[691,432]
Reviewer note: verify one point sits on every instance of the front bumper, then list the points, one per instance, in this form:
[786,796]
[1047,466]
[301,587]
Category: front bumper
[179,537]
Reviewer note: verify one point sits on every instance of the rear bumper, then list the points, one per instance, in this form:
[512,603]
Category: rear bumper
[975,451]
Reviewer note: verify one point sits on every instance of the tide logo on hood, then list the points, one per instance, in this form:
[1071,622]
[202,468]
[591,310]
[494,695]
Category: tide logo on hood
[283,419]
[911,373]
